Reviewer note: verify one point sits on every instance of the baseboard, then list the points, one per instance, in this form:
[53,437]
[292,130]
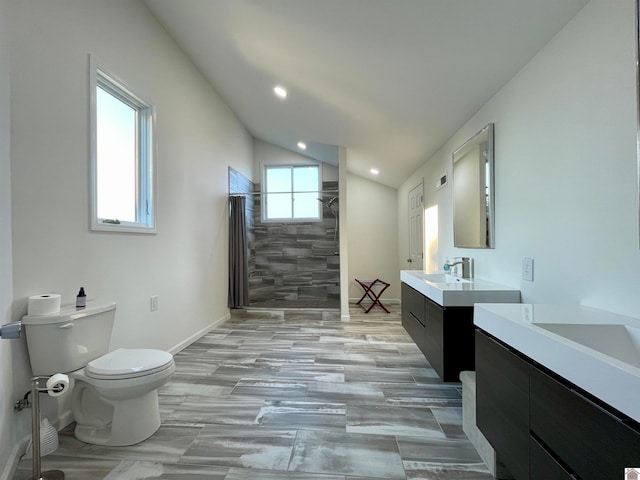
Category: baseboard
[390,301]
[199,334]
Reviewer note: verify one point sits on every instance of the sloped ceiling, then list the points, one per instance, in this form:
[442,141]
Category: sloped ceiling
[390,80]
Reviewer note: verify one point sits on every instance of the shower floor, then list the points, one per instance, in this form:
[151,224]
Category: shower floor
[327,304]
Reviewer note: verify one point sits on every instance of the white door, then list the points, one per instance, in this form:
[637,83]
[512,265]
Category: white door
[416,212]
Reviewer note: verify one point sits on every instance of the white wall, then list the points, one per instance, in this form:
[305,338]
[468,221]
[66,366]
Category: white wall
[186,262]
[266,153]
[566,169]
[7,347]
[372,209]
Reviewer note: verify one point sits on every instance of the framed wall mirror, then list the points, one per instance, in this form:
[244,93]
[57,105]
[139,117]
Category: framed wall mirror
[473,192]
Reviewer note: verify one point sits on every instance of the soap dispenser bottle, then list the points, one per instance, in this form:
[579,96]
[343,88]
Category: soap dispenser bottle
[81,299]
[447,265]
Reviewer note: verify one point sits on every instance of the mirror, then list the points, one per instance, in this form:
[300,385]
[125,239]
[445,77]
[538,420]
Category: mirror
[638,103]
[473,192]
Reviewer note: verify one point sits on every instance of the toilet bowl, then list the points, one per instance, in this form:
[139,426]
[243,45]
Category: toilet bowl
[114,398]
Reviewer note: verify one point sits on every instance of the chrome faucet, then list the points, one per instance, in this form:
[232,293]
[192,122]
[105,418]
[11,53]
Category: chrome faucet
[467,266]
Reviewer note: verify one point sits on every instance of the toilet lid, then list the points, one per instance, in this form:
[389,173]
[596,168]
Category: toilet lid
[128,363]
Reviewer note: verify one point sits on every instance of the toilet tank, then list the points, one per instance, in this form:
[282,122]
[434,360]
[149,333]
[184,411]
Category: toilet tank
[68,340]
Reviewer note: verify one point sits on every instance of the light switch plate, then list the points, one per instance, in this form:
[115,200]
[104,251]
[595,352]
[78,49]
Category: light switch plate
[527,269]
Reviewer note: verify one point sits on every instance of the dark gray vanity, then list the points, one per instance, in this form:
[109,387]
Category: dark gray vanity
[444,335]
[437,312]
[555,407]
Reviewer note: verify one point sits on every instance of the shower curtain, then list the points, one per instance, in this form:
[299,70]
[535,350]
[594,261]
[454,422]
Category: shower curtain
[238,253]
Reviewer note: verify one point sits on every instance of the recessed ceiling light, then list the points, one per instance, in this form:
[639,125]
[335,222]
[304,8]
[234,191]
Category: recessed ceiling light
[280,91]
[302,145]
[374,171]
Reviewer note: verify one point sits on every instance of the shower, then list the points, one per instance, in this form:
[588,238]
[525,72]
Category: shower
[332,205]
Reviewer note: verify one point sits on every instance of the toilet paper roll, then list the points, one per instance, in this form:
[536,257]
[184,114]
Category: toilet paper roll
[45,304]
[57,384]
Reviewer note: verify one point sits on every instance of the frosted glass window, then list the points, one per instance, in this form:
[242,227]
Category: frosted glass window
[122,175]
[291,193]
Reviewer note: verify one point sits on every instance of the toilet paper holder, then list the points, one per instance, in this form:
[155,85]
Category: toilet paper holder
[55,388]
[11,330]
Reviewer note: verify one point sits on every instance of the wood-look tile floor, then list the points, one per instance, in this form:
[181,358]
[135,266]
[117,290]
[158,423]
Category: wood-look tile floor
[294,395]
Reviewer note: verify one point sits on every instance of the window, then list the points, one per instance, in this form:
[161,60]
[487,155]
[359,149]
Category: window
[122,179]
[291,193]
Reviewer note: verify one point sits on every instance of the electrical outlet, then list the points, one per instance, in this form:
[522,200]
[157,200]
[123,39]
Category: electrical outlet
[527,269]
[154,303]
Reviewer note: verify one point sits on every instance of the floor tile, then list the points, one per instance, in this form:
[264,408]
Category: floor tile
[229,375]
[277,389]
[203,386]
[137,470]
[167,445]
[241,447]
[450,420]
[234,410]
[352,393]
[422,395]
[252,474]
[393,421]
[302,415]
[377,375]
[375,456]
[341,358]
[312,373]
[438,471]
[436,450]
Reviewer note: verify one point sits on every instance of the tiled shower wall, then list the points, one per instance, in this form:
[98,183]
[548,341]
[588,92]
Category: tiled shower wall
[290,264]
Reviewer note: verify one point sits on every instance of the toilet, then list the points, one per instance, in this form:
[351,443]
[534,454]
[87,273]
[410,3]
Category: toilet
[114,397]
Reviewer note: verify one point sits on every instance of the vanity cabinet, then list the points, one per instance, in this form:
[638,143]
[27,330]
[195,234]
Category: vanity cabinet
[413,319]
[542,426]
[449,345]
[591,440]
[443,334]
[502,403]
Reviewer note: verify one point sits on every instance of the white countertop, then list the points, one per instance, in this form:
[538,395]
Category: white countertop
[609,368]
[455,294]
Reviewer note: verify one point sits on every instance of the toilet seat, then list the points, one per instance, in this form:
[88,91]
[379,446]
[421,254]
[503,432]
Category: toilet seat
[126,363]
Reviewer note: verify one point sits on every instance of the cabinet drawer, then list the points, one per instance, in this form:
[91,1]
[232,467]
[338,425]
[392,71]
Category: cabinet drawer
[502,403]
[594,443]
[413,315]
[434,338]
[544,466]
[415,330]
[412,302]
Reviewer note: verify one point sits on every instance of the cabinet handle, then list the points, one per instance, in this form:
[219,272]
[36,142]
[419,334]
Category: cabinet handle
[418,320]
[595,405]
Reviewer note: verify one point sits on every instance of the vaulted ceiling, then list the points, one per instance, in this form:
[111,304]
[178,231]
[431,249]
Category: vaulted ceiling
[390,80]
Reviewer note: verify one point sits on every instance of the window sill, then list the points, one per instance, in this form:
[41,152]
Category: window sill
[122,228]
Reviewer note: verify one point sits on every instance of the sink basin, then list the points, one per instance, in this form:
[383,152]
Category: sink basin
[442,278]
[450,291]
[621,342]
